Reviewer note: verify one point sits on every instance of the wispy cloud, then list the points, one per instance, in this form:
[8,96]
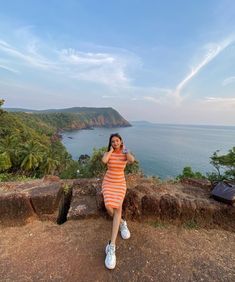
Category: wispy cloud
[109,96]
[36,60]
[152,94]
[9,69]
[213,50]
[228,80]
[77,58]
[174,96]
[152,99]
[224,100]
[106,68]
[147,98]
[104,65]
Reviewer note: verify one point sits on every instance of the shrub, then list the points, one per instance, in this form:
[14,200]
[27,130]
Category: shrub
[94,167]
[71,171]
[188,173]
[224,166]
[4,177]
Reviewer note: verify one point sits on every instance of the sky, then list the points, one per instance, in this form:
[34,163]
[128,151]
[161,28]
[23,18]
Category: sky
[159,61]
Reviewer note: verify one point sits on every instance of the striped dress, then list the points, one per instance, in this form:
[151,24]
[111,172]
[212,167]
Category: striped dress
[114,183]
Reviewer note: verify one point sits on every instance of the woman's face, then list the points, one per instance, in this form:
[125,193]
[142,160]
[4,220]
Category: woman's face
[116,142]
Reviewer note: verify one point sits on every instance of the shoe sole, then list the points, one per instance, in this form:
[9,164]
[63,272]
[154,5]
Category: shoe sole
[125,238]
[110,268]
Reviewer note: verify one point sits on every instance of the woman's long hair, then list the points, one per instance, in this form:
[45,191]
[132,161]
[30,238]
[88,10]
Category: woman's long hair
[110,139]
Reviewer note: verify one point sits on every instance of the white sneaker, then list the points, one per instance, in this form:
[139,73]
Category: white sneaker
[110,260]
[125,233]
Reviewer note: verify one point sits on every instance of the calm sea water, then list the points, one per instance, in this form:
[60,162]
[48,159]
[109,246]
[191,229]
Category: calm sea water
[162,150]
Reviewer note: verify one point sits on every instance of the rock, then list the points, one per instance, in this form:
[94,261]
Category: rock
[170,207]
[37,199]
[132,207]
[83,159]
[82,198]
[51,178]
[82,207]
[84,202]
[203,211]
[15,209]
[151,205]
[224,216]
[45,199]
[188,208]
[202,183]
[87,186]
[100,200]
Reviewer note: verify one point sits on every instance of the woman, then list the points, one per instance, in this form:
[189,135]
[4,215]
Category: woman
[114,190]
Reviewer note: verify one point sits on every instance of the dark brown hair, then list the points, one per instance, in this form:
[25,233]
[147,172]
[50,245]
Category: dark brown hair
[110,139]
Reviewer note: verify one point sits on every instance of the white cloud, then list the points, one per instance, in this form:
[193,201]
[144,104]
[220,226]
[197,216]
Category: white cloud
[9,69]
[110,96]
[222,100]
[172,97]
[153,94]
[4,43]
[36,60]
[152,99]
[213,50]
[228,80]
[109,69]
[105,68]
[76,57]
[107,75]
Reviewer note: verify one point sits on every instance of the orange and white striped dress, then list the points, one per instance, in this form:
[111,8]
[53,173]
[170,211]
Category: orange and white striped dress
[114,182]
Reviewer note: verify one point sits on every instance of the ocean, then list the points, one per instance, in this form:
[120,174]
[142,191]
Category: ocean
[162,149]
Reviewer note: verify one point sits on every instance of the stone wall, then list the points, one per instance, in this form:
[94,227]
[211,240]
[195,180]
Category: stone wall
[21,202]
[146,199]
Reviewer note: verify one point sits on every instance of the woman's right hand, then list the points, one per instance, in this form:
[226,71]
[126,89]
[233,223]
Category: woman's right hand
[107,155]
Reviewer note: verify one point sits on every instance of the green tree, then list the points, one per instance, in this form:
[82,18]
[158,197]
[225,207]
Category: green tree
[50,164]
[1,103]
[94,167]
[32,155]
[59,153]
[8,152]
[188,173]
[224,166]
[70,172]
[5,162]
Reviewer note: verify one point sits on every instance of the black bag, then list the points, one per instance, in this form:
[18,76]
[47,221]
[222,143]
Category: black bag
[224,192]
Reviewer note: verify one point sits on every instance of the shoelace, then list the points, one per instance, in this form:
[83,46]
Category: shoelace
[111,250]
[123,225]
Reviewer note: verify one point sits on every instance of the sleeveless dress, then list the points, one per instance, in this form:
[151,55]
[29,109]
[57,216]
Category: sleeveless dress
[114,182]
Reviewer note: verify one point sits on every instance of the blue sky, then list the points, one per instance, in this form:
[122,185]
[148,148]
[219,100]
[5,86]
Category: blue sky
[161,61]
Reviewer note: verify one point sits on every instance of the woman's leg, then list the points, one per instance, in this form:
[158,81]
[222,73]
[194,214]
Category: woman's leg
[116,221]
[109,210]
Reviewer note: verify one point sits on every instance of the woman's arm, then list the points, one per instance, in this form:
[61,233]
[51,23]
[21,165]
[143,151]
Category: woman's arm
[130,158]
[107,155]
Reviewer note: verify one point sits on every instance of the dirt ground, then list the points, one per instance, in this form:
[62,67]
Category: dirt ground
[74,251]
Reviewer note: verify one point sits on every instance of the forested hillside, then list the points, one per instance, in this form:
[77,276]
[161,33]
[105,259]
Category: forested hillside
[76,118]
[27,148]
[29,143]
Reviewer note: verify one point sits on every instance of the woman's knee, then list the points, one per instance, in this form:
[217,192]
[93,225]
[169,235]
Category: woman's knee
[109,210]
[118,210]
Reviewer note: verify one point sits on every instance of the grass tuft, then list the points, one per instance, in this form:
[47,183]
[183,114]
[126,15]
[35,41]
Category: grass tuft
[190,224]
